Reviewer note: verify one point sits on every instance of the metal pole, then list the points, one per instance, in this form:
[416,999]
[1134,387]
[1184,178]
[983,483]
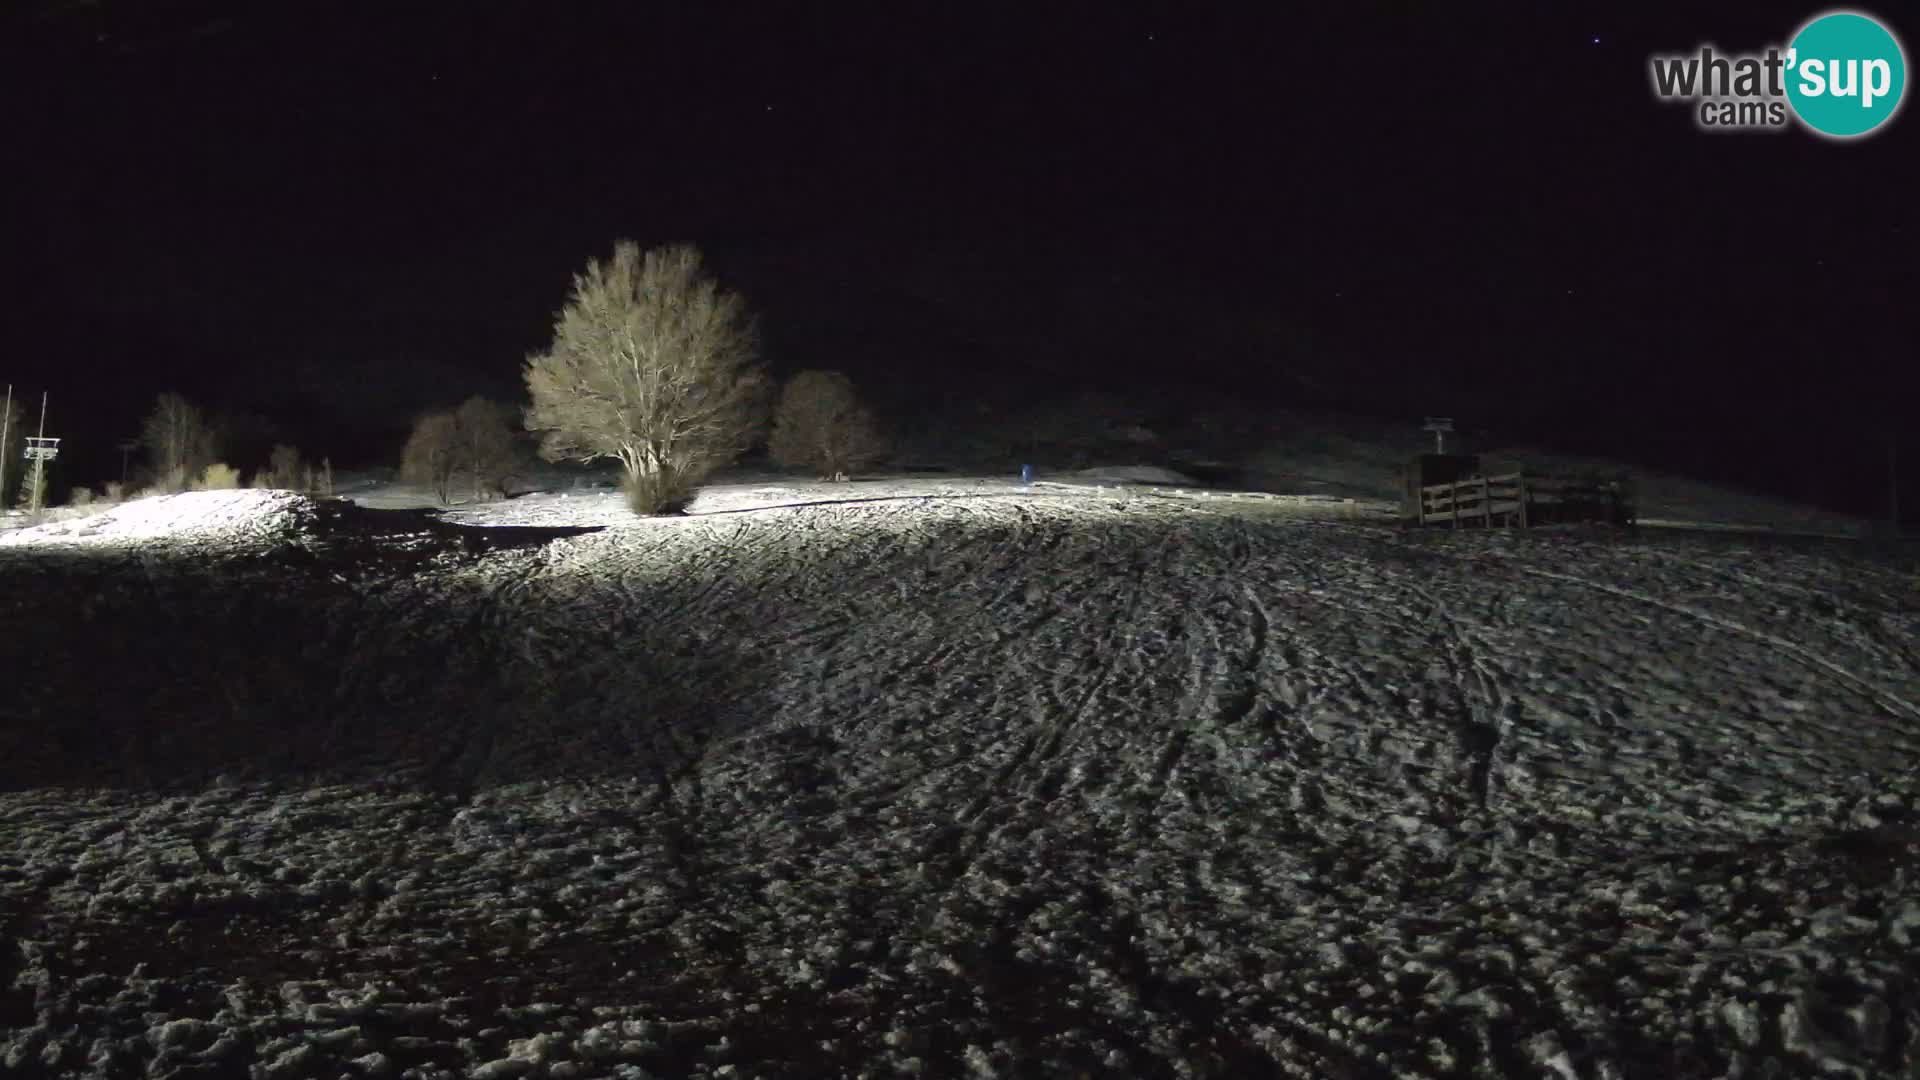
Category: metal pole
[40,462]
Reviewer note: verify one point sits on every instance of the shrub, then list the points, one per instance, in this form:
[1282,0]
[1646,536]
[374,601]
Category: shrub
[217,477]
[651,364]
[283,464]
[169,481]
[80,497]
[821,425]
[114,491]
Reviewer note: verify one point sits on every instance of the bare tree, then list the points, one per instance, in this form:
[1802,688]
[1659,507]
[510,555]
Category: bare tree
[820,424]
[654,365]
[432,454]
[179,441]
[13,433]
[485,430]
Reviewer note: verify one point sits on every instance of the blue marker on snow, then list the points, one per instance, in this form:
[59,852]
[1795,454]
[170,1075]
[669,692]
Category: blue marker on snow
[1026,474]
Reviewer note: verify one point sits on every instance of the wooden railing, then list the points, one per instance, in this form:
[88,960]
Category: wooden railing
[1521,499]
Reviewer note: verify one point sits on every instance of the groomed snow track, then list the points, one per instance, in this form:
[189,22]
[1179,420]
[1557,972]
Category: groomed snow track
[1103,784]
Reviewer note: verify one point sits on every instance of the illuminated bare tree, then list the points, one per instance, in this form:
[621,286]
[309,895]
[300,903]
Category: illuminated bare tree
[654,365]
[820,424]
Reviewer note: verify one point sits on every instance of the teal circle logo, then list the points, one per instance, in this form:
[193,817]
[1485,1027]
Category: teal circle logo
[1846,74]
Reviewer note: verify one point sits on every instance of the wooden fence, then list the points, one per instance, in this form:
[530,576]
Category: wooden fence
[1522,499]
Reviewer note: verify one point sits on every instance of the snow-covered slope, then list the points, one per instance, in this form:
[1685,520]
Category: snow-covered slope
[1363,458]
[221,518]
[975,781]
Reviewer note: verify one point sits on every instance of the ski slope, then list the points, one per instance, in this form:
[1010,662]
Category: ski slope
[953,778]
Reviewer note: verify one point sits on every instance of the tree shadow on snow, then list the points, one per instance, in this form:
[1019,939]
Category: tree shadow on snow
[166,668]
[344,519]
[382,646]
[857,500]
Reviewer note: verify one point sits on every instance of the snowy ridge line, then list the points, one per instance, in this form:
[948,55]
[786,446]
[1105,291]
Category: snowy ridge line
[931,496]
[1743,526]
[1206,493]
[1892,703]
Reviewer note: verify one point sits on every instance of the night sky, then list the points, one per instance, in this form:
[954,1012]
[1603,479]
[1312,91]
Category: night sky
[337,214]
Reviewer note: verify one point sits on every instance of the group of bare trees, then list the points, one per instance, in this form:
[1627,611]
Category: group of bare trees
[183,446]
[473,442]
[654,365]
